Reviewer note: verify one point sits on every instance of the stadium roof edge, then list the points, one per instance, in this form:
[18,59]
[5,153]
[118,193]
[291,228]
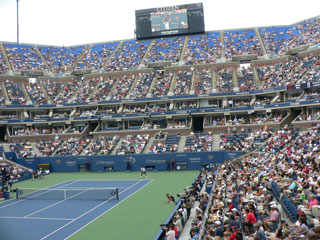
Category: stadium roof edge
[124,40]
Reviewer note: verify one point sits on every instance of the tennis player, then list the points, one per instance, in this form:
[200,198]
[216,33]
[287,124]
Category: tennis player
[143,172]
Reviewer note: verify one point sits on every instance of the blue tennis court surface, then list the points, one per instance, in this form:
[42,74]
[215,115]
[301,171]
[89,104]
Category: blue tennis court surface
[23,219]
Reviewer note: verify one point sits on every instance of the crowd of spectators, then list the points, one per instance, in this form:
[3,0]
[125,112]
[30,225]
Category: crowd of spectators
[245,199]
[162,84]
[309,117]
[224,79]
[23,149]
[61,59]
[133,144]
[165,49]
[101,94]
[102,145]
[95,56]
[241,42]
[128,56]
[15,92]
[246,80]
[122,87]
[203,49]
[244,142]
[179,124]
[2,97]
[72,147]
[289,72]
[3,66]
[37,130]
[61,92]
[48,147]
[199,142]
[183,82]
[203,81]
[23,57]
[142,85]
[37,95]
[84,91]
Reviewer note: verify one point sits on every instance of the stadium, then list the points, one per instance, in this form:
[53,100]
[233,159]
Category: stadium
[226,121]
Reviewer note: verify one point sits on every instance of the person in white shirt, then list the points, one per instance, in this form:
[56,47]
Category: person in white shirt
[143,172]
[170,234]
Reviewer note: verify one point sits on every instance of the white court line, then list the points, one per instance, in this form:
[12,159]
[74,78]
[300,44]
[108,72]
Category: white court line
[113,180]
[17,201]
[39,218]
[94,209]
[109,209]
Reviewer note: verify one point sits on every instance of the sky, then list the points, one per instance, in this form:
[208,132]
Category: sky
[75,22]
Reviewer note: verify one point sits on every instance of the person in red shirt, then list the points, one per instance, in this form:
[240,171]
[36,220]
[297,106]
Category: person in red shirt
[250,220]
[235,230]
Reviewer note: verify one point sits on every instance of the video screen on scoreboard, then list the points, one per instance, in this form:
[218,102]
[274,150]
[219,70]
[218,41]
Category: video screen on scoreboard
[169,20]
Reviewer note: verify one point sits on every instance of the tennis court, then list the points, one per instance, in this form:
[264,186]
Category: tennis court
[55,214]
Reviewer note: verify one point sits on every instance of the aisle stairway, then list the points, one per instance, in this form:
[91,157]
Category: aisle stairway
[182,143]
[215,142]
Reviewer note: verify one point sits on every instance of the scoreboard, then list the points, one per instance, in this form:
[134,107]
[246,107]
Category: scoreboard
[171,20]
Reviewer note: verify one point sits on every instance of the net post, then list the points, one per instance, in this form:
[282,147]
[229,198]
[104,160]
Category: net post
[17,193]
[65,195]
[117,191]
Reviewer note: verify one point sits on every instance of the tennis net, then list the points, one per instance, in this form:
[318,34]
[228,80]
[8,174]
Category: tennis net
[100,194]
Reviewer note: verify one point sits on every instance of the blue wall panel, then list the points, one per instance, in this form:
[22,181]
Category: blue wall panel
[192,161]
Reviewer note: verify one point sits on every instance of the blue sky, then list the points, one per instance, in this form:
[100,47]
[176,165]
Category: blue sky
[73,22]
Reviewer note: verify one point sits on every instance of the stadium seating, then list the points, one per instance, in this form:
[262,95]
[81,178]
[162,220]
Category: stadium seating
[23,57]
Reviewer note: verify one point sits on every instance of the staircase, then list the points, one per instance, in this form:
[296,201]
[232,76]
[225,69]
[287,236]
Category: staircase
[235,81]
[117,146]
[182,143]
[5,92]
[185,45]
[265,54]
[26,94]
[148,145]
[113,53]
[215,142]
[44,90]
[36,149]
[173,83]
[6,147]
[256,77]
[42,58]
[223,54]
[5,57]
[193,79]
[146,54]
[214,82]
